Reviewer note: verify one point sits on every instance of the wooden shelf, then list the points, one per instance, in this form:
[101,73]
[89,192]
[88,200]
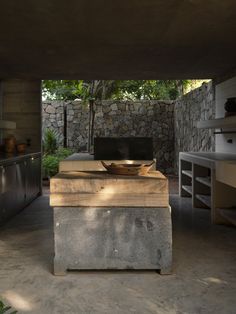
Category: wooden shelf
[229,214]
[204,180]
[187,188]
[187,173]
[205,199]
[7,125]
[229,122]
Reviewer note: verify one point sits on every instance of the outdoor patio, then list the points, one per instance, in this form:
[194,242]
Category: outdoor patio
[75,73]
[203,279]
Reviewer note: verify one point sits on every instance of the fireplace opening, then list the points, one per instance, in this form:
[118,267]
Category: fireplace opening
[119,148]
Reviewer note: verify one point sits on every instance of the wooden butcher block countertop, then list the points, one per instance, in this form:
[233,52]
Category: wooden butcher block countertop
[98,188]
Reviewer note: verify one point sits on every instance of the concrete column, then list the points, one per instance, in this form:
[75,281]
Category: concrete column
[22,104]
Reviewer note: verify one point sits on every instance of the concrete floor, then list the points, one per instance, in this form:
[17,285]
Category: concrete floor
[204,278]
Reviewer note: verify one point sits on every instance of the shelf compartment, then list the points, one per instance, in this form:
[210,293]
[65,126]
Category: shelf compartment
[205,199]
[188,173]
[229,122]
[229,214]
[204,180]
[187,188]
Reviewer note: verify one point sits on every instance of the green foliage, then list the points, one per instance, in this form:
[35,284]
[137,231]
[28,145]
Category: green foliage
[50,163]
[146,89]
[72,89]
[123,90]
[63,152]
[5,309]
[62,89]
[50,141]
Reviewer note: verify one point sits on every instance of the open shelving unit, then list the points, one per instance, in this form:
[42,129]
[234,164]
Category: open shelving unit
[188,173]
[204,180]
[197,180]
[188,189]
[220,123]
[186,179]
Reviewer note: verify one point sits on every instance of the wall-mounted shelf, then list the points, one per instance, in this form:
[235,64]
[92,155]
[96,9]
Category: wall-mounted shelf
[204,180]
[229,122]
[187,188]
[187,173]
[7,124]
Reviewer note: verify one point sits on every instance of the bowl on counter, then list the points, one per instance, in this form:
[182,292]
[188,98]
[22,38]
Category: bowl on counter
[128,169]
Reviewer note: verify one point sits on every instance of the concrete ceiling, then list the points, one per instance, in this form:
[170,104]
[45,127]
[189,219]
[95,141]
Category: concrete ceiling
[117,39]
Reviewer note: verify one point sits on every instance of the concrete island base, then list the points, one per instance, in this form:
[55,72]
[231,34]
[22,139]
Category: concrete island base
[96,238]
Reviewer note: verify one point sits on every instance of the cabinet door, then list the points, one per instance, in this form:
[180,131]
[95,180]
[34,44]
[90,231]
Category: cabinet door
[9,188]
[21,184]
[1,194]
[33,177]
[36,169]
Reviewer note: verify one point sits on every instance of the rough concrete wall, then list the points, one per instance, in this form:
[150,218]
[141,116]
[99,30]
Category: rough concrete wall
[22,104]
[197,105]
[119,118]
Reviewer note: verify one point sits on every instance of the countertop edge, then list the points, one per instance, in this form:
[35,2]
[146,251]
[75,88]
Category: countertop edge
[10,159]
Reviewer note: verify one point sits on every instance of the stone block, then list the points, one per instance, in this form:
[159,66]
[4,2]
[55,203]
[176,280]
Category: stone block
[99,238]
[50,109]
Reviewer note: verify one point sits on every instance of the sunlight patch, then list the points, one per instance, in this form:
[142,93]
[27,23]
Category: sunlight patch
[17,301]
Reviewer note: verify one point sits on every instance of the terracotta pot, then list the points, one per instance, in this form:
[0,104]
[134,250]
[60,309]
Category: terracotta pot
[21,148]
[10,144]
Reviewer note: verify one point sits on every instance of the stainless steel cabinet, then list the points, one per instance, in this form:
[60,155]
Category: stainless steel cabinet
[8,193]
[33,178]
[20,183]
[1,193]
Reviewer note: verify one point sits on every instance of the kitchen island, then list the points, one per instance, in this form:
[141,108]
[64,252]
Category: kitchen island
[104,221]
[20,182]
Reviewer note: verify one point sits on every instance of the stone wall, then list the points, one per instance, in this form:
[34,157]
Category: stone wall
[171,124]
[197,105]
[53,118]
[117,118]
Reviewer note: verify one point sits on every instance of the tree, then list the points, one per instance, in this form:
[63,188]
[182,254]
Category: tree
[62,89]
[150,89]
[123,90]
[94,91]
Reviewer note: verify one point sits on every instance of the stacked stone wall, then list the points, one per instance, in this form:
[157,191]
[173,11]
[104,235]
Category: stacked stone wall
[172,125]
[197,105]
[117,118]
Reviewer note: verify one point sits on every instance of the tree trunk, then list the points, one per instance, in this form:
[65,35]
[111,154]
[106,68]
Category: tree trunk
[91,125]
